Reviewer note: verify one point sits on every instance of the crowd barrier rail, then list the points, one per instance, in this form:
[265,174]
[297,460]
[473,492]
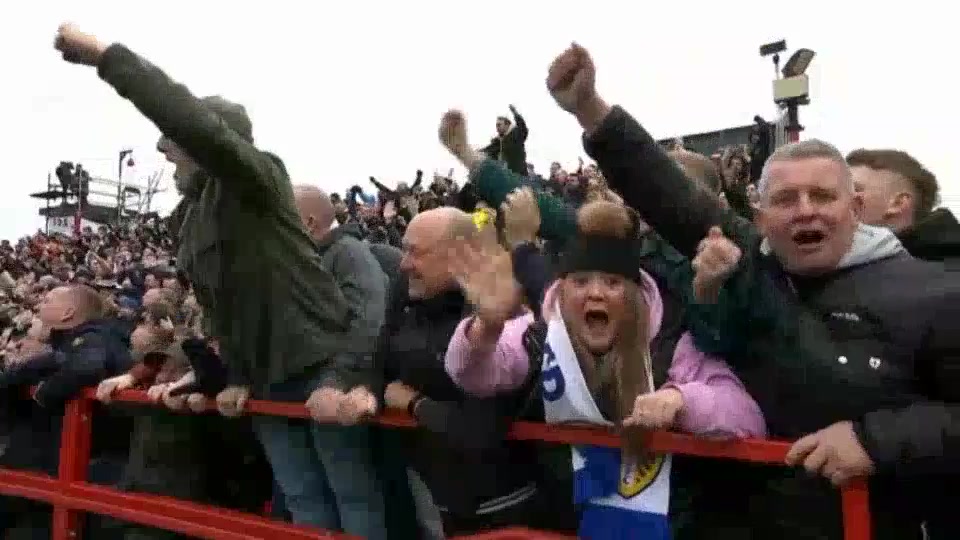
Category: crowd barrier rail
[71,495]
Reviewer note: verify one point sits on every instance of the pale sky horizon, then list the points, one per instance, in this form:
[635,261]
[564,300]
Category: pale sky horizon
[345,91]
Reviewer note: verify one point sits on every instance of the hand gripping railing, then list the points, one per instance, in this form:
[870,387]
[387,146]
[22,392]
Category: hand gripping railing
[71,495]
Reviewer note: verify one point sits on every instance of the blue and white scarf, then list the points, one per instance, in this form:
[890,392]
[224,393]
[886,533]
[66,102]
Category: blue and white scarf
[620,500]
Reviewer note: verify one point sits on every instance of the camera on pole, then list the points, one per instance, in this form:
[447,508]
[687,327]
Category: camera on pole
[791,85]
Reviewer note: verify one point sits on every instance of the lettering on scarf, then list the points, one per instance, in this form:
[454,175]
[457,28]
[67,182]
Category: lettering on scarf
[551,376]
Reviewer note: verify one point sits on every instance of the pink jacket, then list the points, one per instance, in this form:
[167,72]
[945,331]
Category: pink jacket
[715,402]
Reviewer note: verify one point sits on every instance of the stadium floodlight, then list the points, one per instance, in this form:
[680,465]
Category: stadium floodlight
[798,63]
[791,86]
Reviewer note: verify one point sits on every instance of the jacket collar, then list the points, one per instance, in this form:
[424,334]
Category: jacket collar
[60,337]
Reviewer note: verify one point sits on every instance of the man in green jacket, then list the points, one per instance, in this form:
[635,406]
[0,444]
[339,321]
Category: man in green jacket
[281,320]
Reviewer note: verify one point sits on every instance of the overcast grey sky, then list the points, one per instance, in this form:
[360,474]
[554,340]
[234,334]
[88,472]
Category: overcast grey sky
[346,90]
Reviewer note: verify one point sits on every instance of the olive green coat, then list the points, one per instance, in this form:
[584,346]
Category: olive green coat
[276,311]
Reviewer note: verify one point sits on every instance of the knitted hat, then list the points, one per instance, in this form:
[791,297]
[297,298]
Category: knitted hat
[234,114]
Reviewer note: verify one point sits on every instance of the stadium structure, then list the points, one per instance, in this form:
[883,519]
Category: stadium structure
[74,199]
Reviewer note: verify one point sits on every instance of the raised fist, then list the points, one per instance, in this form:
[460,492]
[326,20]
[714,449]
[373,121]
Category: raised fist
[717,258]
[78,47]
[572,79]
[453,133]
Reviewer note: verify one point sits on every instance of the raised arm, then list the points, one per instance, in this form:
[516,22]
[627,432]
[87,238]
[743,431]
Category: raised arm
[520,124]
[486,354]
[204,135]
[634,164]
[493,181]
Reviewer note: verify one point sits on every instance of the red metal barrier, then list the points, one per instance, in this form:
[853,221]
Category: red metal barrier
[70,494]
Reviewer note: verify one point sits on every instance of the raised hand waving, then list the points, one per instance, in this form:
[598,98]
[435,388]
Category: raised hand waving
[521,217]
[486,276]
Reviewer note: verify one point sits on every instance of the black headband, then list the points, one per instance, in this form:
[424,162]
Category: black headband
[595,253]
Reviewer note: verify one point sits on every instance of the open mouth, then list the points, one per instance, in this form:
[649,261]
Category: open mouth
[596,319]
[809,239]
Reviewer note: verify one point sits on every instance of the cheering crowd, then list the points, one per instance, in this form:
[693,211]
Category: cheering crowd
[803,295]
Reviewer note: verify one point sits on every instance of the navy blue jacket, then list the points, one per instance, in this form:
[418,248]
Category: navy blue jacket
[81,357]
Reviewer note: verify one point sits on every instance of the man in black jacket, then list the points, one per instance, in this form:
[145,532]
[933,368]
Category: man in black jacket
[828,323]
[509,144]
[84,351]
[477,479]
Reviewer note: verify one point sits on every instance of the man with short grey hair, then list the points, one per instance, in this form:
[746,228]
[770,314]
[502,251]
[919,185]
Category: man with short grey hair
[826,322]
[808,149]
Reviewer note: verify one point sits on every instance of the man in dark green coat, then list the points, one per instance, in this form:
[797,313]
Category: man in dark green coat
[281,320]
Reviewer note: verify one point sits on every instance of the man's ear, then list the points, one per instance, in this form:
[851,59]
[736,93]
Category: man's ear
[69,313]
[900,204]
[760,219]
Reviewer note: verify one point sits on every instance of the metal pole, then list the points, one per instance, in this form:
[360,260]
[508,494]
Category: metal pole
[793,127]
[123,154]
[46,221]
[78,215]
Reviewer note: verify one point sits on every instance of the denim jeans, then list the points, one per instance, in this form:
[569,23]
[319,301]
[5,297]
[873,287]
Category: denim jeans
[325,471]
[431,521]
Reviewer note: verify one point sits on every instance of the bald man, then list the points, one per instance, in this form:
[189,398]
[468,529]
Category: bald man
[338,460]
[319,218]
[85,349]
[478,479]
[426,241]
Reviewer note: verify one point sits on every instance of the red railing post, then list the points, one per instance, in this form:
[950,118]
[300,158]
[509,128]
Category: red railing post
[855,501]
[75,442]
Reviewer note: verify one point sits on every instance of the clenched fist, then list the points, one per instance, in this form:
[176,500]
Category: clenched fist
[78,47]
[453,133]
[717,258]
[572,81]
